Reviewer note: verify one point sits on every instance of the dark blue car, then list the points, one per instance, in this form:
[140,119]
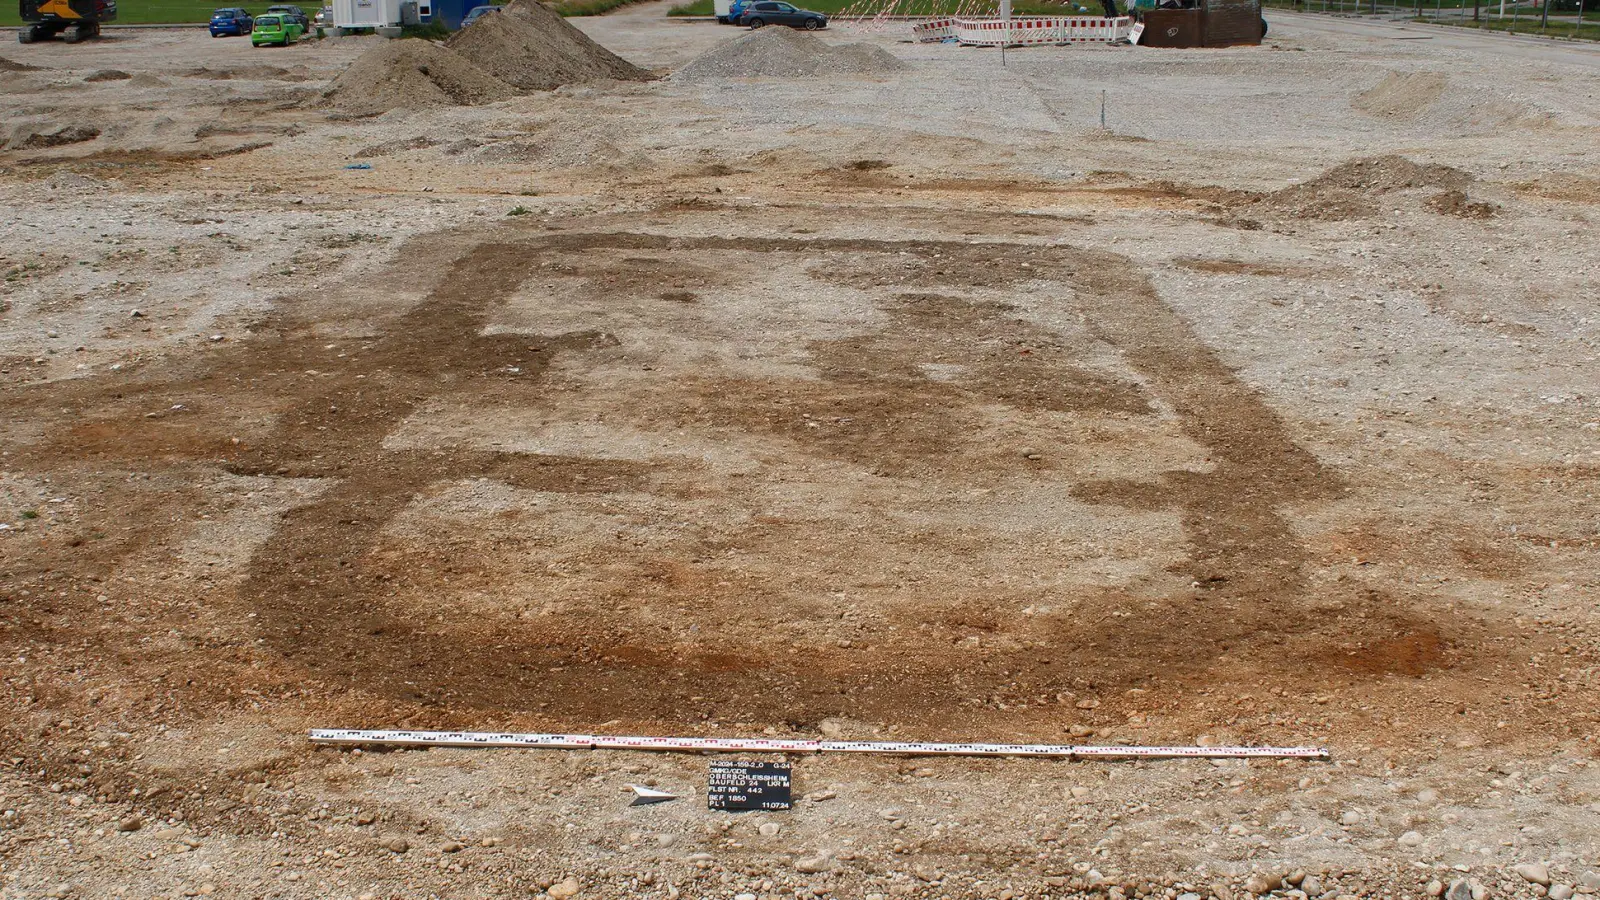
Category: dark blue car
[231,21]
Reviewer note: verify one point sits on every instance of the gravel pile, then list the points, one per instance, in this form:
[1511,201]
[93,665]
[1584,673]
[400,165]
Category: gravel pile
[412,74]
[1352,190]
[531,47]
[1402,95]
[785,53]
[1381,174]
[525,47]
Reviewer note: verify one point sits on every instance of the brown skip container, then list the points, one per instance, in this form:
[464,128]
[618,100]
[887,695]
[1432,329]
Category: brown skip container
[1230,22]
[1171,28]
[1214,23]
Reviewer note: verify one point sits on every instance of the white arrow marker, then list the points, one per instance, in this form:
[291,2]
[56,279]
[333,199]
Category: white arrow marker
[644,796]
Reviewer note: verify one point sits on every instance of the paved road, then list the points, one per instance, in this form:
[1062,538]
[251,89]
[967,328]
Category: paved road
[1543,49]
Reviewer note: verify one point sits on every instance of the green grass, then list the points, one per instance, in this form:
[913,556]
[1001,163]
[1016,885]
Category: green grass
[433,31]
[933,8]
[589,7]
[1531,26]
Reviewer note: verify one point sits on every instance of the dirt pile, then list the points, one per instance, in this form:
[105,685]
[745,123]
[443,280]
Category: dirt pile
[412,74]
[785,53]
[11,65]
[1402,95]
[108,75]
[525,47]
[31,139]
[1351,190]
[1456,203]
[1436,102]
[1382,174]
[531,47]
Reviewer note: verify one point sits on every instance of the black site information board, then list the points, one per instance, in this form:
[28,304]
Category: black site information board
[748,785]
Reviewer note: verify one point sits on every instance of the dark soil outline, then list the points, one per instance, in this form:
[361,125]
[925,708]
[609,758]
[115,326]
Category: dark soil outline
[1248,554]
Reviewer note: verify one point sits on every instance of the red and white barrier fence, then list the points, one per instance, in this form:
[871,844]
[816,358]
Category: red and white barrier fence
[934,31]
[1025,30]
[782,745]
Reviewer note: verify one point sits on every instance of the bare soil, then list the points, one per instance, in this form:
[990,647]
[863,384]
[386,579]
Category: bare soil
[914,406]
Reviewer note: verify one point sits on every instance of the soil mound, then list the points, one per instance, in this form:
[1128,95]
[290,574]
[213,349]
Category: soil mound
[67,134]
[412,74]
[785,53]
[1402,95]
[1456,203]
[11,65]
[1442,105]
[1381,174]
[146,80]
[531,47]
[1351,190]
[865,59]
[108,75]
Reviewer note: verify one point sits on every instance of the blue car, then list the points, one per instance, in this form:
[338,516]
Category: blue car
[233,21]
[735,10]
[476,13]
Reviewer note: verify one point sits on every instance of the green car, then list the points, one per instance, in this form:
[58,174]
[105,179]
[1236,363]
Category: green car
[280,30]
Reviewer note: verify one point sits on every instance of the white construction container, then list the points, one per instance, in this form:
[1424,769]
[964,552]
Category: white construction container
[366,13]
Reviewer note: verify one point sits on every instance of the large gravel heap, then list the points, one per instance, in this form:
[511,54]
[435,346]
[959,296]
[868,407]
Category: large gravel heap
[412,74]
[785,53]
[525,47]
[530,46]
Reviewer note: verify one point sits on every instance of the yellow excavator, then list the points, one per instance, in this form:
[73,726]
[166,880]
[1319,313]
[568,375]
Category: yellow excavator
[75,20]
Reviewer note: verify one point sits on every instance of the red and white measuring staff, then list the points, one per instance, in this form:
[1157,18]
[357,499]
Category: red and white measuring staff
[781,745]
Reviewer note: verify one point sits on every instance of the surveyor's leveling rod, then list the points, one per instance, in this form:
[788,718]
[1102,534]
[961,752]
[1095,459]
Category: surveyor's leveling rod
[781,745]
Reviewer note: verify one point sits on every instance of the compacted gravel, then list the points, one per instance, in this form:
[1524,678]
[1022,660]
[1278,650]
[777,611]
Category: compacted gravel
[907,403]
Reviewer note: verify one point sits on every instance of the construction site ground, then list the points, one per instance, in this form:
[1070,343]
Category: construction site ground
[901,406]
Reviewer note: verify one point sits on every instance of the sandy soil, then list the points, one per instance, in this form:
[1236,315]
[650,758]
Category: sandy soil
[908,406]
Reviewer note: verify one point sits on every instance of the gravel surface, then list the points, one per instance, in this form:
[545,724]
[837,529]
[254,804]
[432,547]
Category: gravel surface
[785,53]
[912,406]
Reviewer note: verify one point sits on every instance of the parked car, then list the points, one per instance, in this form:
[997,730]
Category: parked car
[476,13]
[735,10]
[280,30]
[772,12]
[231,20]
[291,12]
[323,18]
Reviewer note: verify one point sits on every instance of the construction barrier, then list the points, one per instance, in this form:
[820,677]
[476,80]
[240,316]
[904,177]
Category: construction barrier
[934,31]
[1025,30]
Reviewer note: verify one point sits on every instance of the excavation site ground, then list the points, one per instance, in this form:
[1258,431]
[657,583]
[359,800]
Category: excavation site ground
[895,401]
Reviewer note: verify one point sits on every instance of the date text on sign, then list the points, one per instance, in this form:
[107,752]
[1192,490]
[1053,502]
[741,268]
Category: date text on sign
[749,785]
